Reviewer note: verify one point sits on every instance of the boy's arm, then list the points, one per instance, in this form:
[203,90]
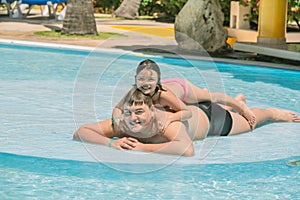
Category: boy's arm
[98,133]
[179,142]
[103,133]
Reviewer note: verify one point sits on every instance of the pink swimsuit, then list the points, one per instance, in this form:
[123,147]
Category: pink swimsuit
[180,81]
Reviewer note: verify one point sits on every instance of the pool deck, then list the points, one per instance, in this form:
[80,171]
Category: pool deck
[140,35]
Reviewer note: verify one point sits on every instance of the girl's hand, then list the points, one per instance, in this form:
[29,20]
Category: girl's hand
[125,143]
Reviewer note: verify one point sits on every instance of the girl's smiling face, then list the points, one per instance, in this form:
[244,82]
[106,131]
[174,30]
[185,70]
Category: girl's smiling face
[146,81]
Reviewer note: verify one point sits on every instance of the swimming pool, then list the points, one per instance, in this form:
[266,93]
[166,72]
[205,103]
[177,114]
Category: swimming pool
[47,92]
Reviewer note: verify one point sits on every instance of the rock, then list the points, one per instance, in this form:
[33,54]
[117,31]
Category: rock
[199,25]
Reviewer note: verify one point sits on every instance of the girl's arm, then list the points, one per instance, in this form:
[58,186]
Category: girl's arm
[118,110]
[182,112]
[116,115]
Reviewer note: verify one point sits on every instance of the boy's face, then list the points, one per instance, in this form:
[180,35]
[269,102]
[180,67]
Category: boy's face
[137,117]
[146,81]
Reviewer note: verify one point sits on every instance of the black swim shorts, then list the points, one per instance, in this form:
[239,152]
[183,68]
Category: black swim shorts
[220,119]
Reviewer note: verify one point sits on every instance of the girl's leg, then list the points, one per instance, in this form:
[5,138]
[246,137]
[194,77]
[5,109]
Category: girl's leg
[239,97]
[196,94]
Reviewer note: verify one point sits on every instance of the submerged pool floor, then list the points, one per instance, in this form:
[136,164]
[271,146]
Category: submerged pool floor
[266,143]
[41,124]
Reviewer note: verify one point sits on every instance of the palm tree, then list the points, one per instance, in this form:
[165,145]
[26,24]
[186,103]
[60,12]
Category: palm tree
[128,9]
[79,19]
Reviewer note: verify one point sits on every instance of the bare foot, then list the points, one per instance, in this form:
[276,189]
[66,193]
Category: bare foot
[281,115]
[240,97]
[247,113]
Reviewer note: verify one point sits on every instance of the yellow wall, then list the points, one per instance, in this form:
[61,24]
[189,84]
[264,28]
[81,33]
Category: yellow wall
[272,18]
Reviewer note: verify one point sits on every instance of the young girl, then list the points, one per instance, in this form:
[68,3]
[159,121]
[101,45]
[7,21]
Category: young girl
[176,93]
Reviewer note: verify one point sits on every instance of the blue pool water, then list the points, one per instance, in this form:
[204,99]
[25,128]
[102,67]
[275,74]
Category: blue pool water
[30,177]
[46,93]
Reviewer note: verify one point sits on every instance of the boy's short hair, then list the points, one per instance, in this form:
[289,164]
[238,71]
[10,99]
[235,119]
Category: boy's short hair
[137,97]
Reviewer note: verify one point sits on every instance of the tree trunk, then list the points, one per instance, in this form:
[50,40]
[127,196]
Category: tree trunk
[80,18]
[128,9]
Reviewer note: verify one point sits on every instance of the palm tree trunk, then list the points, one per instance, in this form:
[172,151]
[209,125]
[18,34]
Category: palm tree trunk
[128,9]
[79,18]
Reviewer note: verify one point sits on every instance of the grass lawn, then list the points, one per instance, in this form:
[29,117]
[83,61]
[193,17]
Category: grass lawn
[57,34]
